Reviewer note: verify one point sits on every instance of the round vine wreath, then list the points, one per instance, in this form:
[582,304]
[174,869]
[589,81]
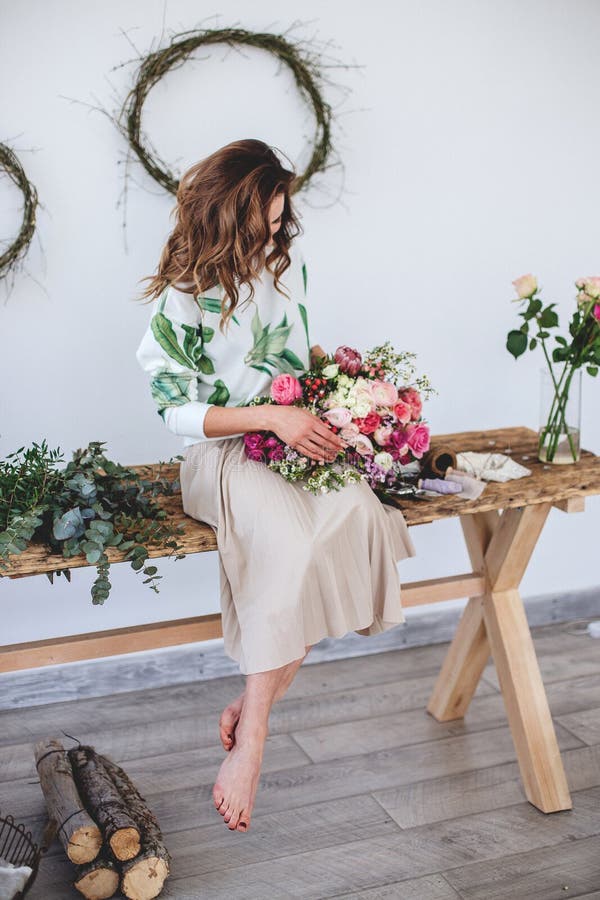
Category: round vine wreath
[10,164]
[153,67]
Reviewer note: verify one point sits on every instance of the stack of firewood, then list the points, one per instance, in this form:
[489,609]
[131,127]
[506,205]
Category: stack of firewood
[103,823]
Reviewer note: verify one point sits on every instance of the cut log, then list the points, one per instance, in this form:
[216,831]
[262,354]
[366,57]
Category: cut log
[142,878]
[77,832]
[104,803]
[98,879]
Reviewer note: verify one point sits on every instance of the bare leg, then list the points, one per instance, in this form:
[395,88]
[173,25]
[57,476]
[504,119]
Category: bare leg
[234,790]
[231,713]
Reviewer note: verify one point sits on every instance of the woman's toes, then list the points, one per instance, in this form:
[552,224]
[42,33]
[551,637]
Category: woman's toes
[232,820]
[244,821]
[218,796]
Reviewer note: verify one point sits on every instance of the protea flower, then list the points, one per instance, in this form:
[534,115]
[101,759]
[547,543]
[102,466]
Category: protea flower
[348,359]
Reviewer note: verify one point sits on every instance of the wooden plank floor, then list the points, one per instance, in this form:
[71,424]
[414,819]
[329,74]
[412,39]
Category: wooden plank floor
[362,794]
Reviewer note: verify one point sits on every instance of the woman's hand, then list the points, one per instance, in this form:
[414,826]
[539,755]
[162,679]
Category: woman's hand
[305,432]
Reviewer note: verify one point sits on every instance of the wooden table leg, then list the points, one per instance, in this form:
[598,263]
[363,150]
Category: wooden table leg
[469,651]
[497,620]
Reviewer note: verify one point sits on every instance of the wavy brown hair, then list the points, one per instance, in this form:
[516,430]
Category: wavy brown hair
[222,225]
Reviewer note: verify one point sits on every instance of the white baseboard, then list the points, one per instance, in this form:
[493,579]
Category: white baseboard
[207,659]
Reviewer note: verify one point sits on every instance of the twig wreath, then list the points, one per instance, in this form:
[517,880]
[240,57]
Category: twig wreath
[304,66]
[16,250]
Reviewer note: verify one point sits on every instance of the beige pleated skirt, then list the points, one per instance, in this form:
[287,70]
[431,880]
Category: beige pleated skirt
[294,567]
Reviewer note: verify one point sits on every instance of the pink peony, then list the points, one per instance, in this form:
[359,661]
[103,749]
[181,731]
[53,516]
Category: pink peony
[285,389]
[384,393]
[276,453]
[338,416]
[369,423]
[362,445]
[413,398]
[349,431]
[403,411]
[418,439]
[382,434]
[526,286]
[348,359]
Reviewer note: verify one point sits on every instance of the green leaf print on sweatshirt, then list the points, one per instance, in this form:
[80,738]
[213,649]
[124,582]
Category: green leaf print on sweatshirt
[164,333]
[213,305]
[220,395]
[171,388]
[192,354]
[269,348]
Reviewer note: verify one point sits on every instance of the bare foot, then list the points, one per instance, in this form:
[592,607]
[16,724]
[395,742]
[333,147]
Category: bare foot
[228,721]
[234,790]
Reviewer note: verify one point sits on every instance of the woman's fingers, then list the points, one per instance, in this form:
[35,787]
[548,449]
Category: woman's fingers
[318,450]
[326,432]
[324,435]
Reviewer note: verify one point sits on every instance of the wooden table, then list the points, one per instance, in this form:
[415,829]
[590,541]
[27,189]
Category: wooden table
[501,529]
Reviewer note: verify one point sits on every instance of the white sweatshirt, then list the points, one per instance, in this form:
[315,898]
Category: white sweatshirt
[192,368]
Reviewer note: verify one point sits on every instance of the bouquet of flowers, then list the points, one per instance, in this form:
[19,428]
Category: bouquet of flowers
[370,400]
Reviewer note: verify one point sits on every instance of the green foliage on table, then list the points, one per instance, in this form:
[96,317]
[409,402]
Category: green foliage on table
[582,350]
[90,505]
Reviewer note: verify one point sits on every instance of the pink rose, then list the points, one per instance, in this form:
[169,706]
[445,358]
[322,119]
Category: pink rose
[257,454]
[398,442]
[253,440]
[383,393]
[403,411]
[276,453]
[369,423]
[338,416]
[413,398]
[285,389]
[382,434]
[590,286]
[596,312]
[526,286]
[418,439]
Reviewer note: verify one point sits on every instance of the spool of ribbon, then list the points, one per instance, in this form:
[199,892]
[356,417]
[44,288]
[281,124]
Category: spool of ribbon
[437,459]
[440,486]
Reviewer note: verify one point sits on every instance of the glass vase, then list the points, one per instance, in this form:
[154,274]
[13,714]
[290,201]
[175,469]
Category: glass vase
[560,418]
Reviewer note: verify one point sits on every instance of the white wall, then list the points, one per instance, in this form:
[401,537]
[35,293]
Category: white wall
[470,144]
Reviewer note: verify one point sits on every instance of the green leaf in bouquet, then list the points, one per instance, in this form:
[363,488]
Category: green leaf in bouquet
[516,343]
[291,357]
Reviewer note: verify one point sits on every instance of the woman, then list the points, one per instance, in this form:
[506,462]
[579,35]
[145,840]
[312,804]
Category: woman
[226,318]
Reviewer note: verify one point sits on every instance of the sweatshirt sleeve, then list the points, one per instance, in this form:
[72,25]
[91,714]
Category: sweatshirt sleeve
[171,352]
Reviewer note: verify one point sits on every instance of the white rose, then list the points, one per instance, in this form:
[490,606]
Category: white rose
[331,370]
[384,460]
[361,408]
